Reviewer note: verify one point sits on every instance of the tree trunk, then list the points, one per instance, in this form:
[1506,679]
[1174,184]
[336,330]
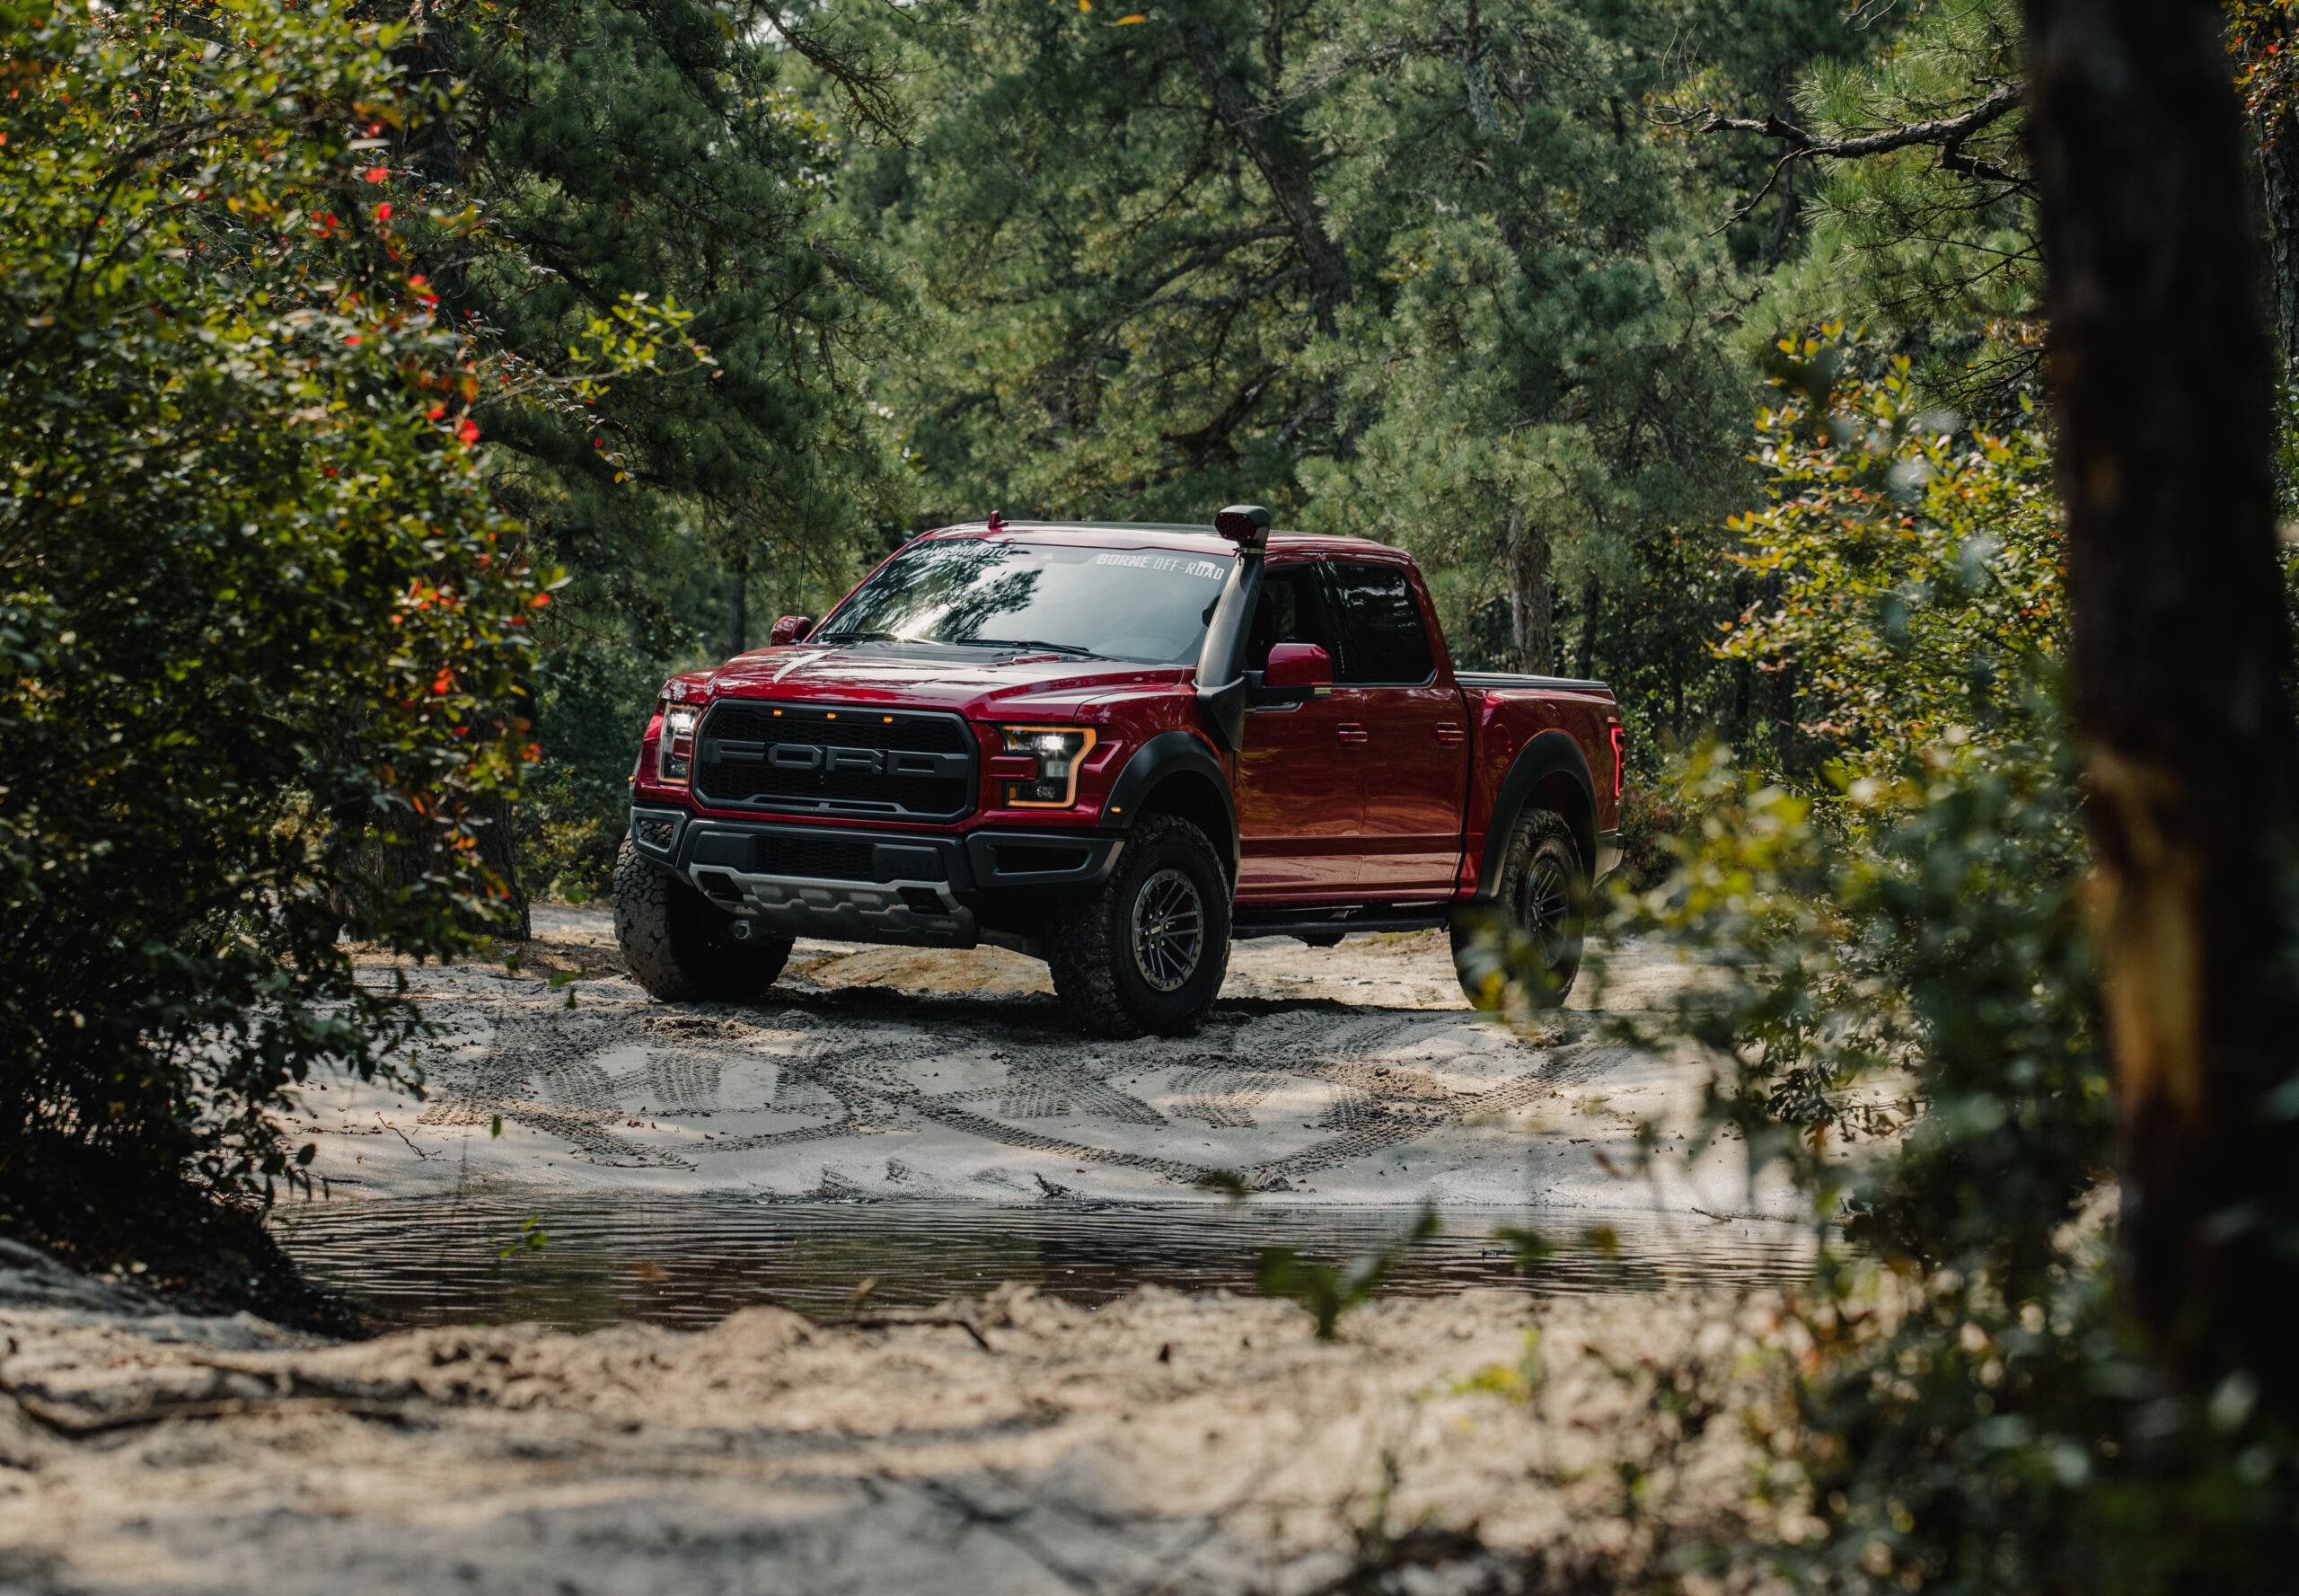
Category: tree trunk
[1592,603]
[1267,142]
[429,142]
[498,851]
[2277,135]
[1531,614]
[1781,694]
[1784,220]
[1784,720]
[2279,207]
[2160,373]
[1744,671]
[738,617]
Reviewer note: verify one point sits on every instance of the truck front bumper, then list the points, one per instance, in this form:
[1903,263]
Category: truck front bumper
[920,889]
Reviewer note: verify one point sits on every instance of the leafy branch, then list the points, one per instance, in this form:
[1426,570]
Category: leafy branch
[1949,134]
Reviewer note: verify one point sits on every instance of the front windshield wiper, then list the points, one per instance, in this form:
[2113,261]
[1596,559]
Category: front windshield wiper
[1029,643]
[858,637]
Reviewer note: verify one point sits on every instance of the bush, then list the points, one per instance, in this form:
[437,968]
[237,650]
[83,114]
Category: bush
[259,611]
[1907,1020]
[594,698]
[1908,1024]
[1652,816]
[1911,566]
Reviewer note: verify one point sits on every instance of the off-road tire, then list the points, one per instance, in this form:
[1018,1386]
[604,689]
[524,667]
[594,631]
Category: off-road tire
[1542,857]
[1090,947]
[679,945]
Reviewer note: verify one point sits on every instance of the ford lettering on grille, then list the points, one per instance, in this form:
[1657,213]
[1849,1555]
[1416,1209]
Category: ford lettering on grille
[836,761]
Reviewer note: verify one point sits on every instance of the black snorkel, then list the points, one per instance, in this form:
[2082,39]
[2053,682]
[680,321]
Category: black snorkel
[1222,661]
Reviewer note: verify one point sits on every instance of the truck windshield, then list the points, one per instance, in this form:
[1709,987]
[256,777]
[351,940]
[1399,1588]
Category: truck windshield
[1146,605]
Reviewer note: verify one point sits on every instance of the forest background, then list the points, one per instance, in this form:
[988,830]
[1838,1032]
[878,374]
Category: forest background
[1502,284]
[392,401]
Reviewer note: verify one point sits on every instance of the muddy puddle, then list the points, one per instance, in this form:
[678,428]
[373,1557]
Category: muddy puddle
[686,1263]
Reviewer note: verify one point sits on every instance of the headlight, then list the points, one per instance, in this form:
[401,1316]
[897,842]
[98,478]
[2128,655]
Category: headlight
[674,753]
[1059,750]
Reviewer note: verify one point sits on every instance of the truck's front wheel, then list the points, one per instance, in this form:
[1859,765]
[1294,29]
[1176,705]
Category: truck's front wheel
[1529,937]
[681,946]
[1146,951]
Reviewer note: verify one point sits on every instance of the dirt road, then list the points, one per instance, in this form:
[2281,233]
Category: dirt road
[1353,1075]
[1179,1446]
[999,1446]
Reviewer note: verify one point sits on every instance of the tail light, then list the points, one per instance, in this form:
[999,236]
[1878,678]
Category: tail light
[1620,759]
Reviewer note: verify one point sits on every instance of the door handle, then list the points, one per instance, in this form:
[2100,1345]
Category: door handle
[1450,734]
[1350,732]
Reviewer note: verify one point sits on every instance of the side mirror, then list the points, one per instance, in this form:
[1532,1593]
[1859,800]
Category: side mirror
[791,629]
[1298,664]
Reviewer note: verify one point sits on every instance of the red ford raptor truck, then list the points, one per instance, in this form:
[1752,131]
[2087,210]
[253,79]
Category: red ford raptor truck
[1116,748]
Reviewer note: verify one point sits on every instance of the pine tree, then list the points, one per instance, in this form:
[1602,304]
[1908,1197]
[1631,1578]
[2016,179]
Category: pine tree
[677,154]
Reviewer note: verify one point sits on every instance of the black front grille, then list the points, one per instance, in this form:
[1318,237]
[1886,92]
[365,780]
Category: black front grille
[846,729]
[841,760]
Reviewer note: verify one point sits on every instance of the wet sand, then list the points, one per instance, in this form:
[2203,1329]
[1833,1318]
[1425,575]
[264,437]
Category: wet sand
[1355,1075]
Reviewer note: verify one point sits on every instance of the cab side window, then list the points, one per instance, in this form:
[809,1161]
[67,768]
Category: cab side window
[1383,641]
[1288,613]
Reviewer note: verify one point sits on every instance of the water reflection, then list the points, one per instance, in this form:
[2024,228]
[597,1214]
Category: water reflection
[687,1263]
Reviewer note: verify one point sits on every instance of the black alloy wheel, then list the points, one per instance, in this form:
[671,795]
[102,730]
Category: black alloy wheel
[1168,929]
[1544,907]
[1147,949]
[1540,908]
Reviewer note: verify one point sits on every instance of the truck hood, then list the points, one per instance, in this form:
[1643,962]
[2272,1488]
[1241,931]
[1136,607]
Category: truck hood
[991,686]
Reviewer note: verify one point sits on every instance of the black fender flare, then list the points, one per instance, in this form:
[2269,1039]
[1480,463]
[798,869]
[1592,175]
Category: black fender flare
[1168,754]
[1551,753]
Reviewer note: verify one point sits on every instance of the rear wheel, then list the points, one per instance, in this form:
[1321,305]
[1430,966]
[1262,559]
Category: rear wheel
[1147,949]
[681,946]
[1529,935]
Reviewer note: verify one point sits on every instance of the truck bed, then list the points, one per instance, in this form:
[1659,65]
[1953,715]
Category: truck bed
[1493,681]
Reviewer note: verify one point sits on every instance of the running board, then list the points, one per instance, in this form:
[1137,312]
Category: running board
[1344,921]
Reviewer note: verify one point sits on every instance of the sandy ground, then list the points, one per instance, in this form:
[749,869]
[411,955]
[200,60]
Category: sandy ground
[1351,1075]
[1006,1446]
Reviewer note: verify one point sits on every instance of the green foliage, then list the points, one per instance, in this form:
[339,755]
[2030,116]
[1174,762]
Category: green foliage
[258,606]
[1939,256]
[593,695]
[630,150]
[531,1238]
[1652,817]
[1537,377]
[1909,569]
[1328,1291]
[1445,277]
[613,154]
[1910,1029]
[1115,304]
[2266,66]
[1906,1024]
